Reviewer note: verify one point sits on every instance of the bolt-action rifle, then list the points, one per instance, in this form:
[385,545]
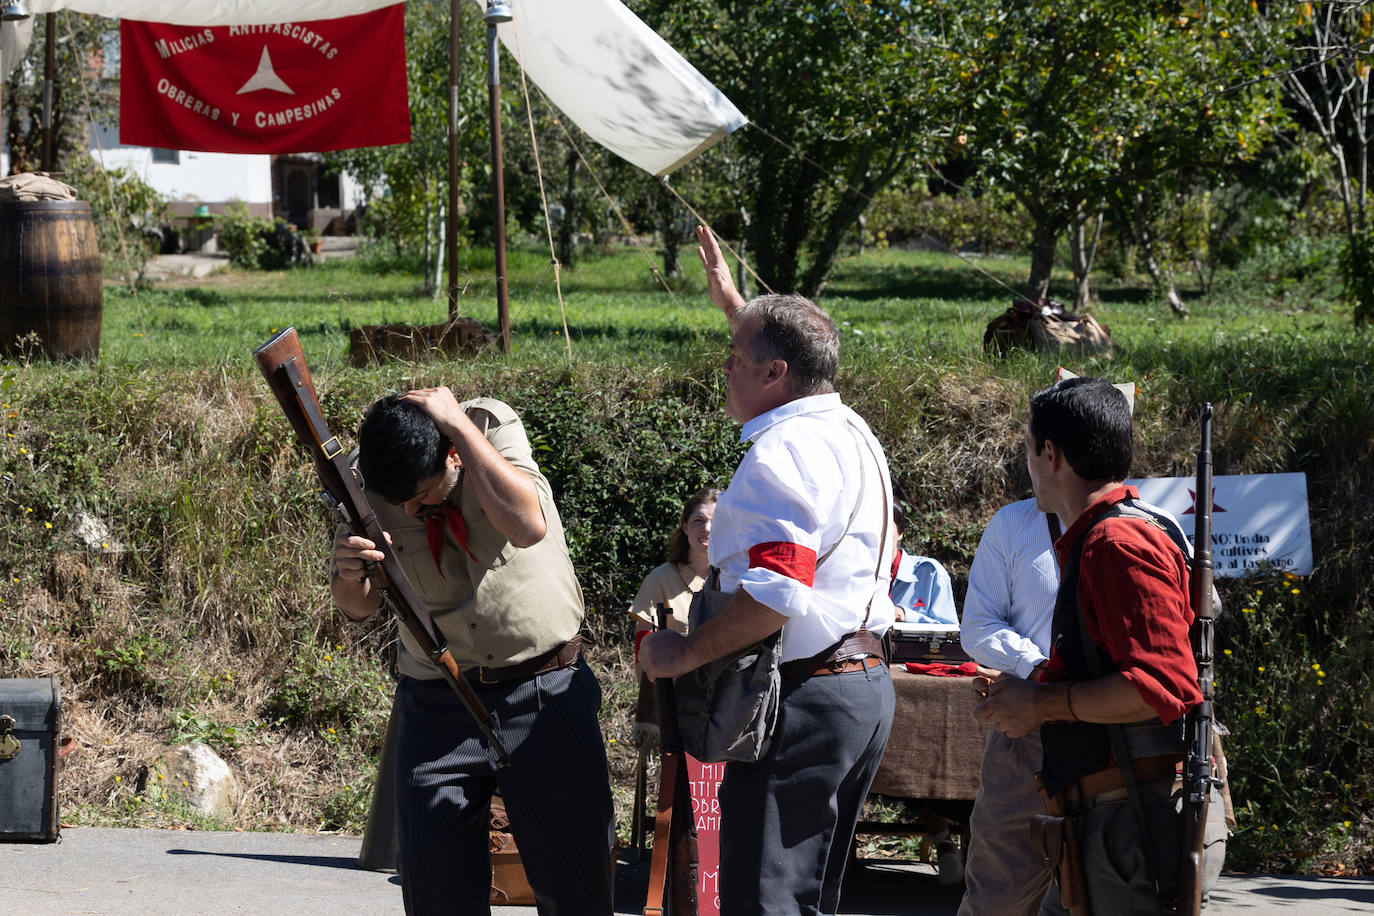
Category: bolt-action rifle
[283,364]
[673,868]
[1197,765]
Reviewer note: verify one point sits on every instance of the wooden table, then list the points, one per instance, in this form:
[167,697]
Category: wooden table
[936,745]
[933,754]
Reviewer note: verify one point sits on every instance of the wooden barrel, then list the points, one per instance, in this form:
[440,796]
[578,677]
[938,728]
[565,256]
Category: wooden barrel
[49,279]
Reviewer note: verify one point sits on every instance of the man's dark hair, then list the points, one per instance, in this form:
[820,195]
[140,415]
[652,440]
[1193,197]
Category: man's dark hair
[795,329]
[1090,421]
[398,447]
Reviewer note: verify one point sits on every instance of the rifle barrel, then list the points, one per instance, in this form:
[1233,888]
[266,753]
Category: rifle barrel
[1197,764]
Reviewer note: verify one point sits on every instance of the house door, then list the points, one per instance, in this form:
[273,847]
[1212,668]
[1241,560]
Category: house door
[298,197]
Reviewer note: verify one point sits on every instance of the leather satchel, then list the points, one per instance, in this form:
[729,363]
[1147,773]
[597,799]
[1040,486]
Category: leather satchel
[726,709]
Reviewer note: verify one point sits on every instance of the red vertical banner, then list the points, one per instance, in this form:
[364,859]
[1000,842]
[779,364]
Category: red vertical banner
[286,87]
[705,781]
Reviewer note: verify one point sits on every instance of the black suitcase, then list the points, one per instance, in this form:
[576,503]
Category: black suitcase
[30,715]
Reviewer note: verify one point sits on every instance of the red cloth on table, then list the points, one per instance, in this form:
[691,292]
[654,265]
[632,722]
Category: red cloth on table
[943,669]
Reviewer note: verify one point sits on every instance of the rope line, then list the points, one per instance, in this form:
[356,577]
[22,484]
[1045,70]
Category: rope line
[719,240]
[620,214]
[543,198]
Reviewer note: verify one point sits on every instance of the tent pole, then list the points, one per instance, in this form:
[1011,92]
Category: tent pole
[49,43]
[13,12]
[497,11]
[455,49]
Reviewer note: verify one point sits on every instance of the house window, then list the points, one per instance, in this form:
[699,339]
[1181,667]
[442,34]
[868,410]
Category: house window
[170,156]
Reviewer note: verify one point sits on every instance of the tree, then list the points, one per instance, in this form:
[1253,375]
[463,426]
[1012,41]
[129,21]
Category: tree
[413,177]
[840,108]
[1324,50]
[81,90]
[1103,103]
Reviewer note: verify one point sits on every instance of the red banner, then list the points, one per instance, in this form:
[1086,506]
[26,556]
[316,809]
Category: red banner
[288,87]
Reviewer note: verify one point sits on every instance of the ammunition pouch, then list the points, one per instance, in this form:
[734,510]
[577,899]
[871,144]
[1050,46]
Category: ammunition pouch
[1054,839]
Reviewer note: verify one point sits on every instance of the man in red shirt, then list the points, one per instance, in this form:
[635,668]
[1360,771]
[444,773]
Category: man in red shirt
[1121,672]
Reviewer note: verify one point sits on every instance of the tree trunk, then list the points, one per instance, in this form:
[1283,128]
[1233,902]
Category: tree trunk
[1082,253]
[436,285]
[567,227]
[428,288]
[859,190]
[784,204]
[673,230]
[1162,277]
[1042,258]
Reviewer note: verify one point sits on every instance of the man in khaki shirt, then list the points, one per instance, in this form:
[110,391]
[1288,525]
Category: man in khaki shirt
[473,523]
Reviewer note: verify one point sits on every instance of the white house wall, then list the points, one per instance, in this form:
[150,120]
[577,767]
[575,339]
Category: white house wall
[209,178]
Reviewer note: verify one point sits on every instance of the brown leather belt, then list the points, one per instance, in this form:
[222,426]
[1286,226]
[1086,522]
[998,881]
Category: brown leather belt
[1147,769]
[844,667]
[852,653]
[561,657]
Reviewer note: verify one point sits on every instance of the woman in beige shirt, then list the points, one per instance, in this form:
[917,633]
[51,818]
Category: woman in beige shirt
[674,583]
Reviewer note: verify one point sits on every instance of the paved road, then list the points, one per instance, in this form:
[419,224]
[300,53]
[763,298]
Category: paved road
[173,873]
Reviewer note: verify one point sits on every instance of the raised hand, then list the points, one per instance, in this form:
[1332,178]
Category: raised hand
[720,285]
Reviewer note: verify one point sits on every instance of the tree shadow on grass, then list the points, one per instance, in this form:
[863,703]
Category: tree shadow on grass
[957,282]
[677,335]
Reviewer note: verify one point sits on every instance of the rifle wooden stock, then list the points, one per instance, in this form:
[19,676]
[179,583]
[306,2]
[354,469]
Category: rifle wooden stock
[283,365]
[673,868]
[1197,765]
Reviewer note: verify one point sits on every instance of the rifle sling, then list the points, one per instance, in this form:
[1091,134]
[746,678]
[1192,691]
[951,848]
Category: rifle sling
[337,456]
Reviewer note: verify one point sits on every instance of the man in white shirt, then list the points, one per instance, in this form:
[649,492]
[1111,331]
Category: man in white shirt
[1007,612]
[803,541]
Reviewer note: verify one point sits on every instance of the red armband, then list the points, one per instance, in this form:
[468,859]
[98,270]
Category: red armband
[787,559]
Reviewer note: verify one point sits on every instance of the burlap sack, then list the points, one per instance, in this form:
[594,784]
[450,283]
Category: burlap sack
[1046,325]
[1074,335]
[27,186]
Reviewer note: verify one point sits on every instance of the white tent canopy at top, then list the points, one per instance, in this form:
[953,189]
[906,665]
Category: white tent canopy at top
[611,74]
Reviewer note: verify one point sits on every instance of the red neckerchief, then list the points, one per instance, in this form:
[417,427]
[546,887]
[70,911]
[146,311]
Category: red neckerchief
[434,532]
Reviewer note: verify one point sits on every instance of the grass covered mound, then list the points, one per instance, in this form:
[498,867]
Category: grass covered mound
[166,552]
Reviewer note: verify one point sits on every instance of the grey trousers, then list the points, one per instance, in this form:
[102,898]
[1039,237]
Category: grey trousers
[1114,861]
[787,822]
[1003,878]
[556,791]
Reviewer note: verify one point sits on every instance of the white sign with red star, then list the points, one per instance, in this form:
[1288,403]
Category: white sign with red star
[1259,521]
